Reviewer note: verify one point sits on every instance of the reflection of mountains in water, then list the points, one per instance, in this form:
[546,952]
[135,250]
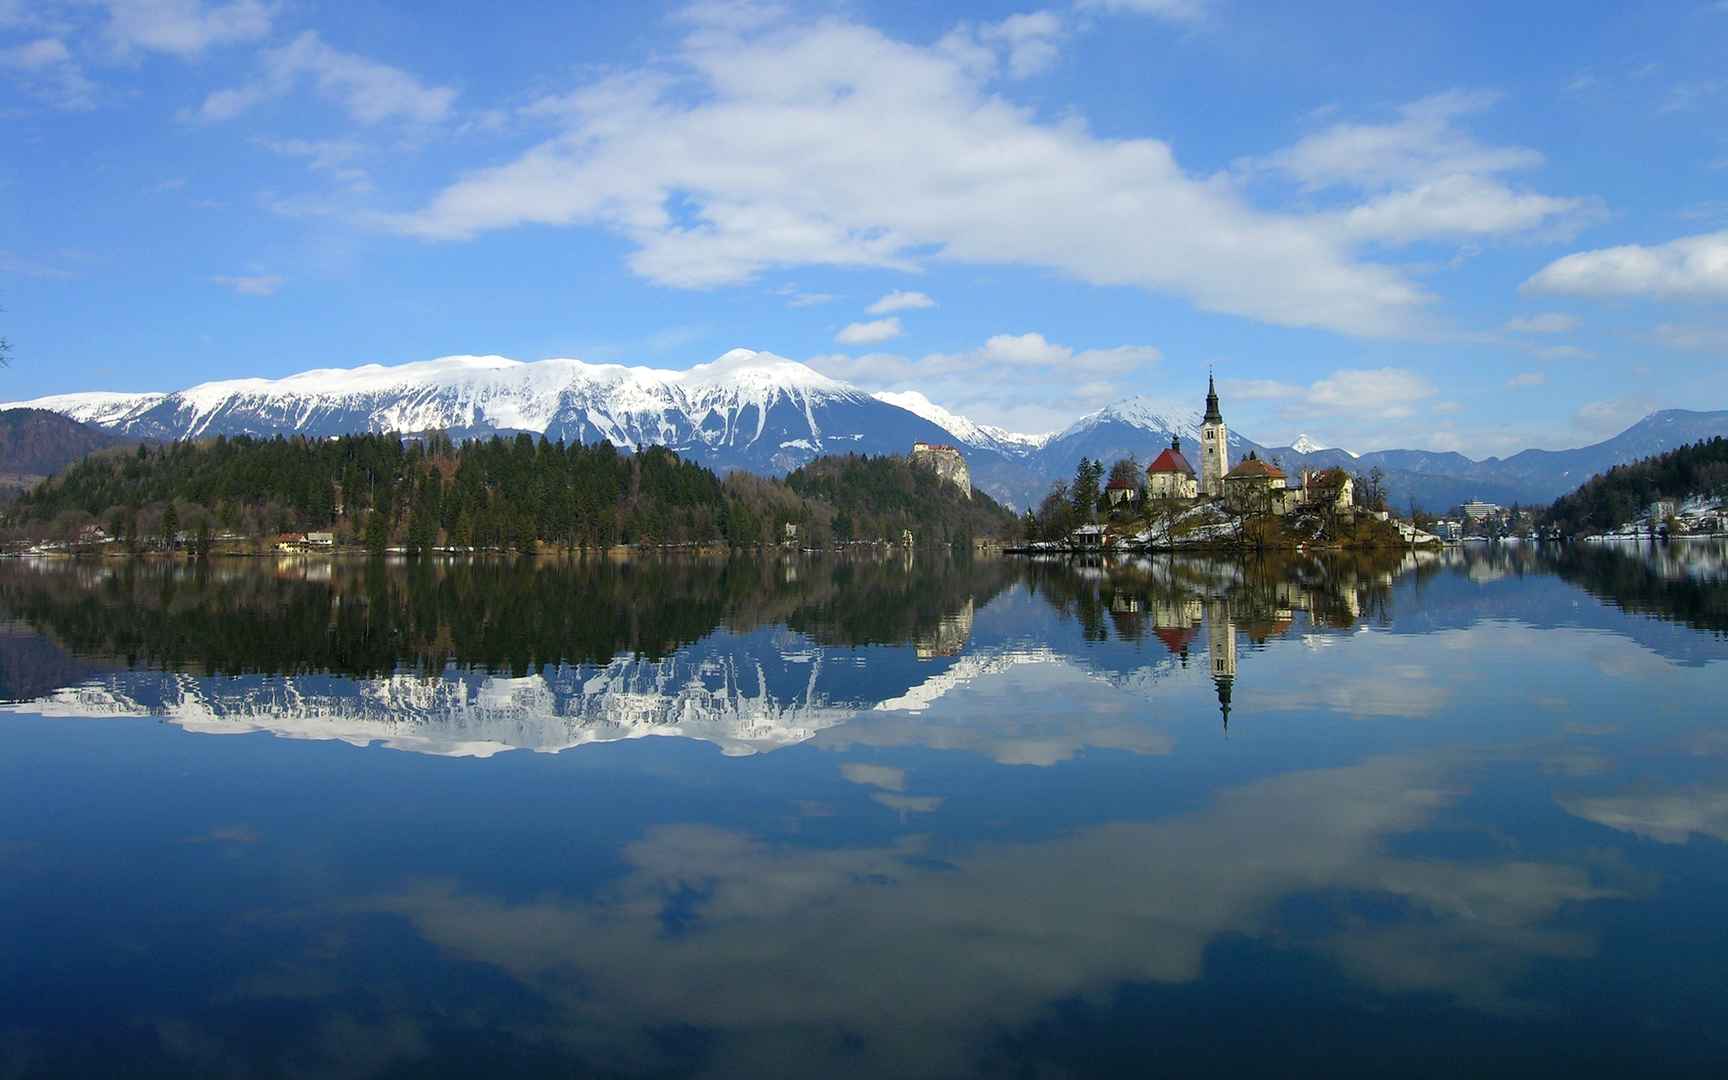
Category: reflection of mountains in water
[735,693]
[482,659]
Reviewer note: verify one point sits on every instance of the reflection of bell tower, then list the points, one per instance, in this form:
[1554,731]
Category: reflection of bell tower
[1221,652]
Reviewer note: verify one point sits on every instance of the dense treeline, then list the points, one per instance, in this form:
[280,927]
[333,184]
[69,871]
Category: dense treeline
[375,617]
[1637,584]
[874,497]
[517,494]
[1625,492]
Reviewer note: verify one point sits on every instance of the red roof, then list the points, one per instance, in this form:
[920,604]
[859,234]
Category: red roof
[1122,483]
[1255,467]
[1176,640]
[1171,461]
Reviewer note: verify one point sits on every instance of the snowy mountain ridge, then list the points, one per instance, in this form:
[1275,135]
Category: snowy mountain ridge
[766,414]
[967,431]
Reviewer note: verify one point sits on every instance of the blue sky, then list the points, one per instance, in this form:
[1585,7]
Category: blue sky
[1461,226]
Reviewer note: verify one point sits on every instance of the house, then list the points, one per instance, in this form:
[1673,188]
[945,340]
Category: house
[320,539]
[1254,483]
[1328,489]
[1170,476]
[1122,491]
[1089,537]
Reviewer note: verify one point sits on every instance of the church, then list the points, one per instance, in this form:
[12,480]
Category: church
[1252,482]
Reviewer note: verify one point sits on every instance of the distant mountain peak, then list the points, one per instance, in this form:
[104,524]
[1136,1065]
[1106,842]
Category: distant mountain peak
[967,431]
[1142,411]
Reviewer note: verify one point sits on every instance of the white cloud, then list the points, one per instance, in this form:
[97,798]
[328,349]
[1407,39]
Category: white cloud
[1259,390]
[1612,416]
[900,301]
[1424,142]
[869,333]
[1564,352]
[1032,383]
[1385,393]
[828,143]
[1174,10]
[1424,176]
[1035,351]
[185,28]
[1690,268]
[332,157]
[253,285]
[47,70]
[1031,41]
[370,92]
[1678,336]
[1548,322]
[1527,378]
[796,297]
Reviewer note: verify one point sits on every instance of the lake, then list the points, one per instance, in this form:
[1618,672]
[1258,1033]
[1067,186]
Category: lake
[1448,814]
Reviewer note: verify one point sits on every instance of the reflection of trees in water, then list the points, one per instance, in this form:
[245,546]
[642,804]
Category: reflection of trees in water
[371,618]
[1681,582]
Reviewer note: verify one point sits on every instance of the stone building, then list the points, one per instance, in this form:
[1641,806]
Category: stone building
[1170,476]
[1256,484]
[948,463]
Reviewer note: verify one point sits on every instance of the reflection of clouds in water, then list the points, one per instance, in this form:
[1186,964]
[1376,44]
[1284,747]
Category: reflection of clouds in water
[1407,690]
[338,1047]
[1622,660]
[882,776]
[1668,817]
[909,804]
[1029,714]
[874,961]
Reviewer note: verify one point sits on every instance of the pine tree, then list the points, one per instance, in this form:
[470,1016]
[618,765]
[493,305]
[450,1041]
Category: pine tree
[377,532]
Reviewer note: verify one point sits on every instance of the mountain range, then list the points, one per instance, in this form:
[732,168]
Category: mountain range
[762,413]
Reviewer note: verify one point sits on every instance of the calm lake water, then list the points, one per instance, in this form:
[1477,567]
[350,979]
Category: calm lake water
[1462,815]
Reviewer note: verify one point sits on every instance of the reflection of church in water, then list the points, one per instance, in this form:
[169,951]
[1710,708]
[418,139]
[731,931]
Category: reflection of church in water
[1178,618]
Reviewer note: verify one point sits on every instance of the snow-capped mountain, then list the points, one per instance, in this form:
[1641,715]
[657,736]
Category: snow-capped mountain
[766,414]
[967,431]
[747,409]
[1305,444]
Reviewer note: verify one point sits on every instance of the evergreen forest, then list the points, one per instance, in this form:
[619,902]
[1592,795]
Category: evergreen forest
[520,494]
[1625,492]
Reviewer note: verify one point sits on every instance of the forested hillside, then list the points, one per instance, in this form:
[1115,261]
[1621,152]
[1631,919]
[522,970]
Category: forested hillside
[35,442]
[1626,491]
[518,493]
[880,496]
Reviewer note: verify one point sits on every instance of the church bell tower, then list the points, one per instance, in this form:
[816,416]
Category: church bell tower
[1214,446]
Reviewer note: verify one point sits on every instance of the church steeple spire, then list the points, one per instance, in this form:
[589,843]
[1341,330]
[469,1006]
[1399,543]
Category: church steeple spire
[1213,416]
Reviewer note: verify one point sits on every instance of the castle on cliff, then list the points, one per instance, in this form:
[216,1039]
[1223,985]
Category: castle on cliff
[948,463]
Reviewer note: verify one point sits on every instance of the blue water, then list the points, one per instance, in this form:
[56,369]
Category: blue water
[1462,815]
